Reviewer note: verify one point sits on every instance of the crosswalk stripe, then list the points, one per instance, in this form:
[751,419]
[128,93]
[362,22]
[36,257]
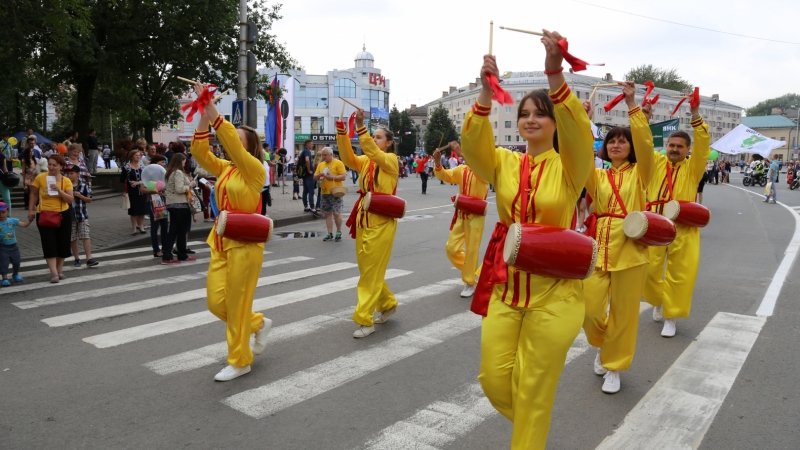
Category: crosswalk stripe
[211,354]
[678,410]
[39,262]
[148,330]
[182,297]
[146,283]
[94,275]
[306,384]
[442,422]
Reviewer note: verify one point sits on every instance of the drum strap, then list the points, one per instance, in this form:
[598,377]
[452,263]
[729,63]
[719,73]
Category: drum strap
[661,193]
[591,221]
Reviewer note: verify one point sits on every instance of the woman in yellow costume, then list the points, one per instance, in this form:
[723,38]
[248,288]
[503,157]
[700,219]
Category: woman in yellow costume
[378,171]
[531,320]
[466,231]
[235,266]
[613,292]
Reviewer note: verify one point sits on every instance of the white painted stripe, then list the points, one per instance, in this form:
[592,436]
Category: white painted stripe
[181,297]
[94,275]
[306,384]
[104,264]
[767,306]
[678,410]
[148,330]
[39,262]
[440,206]
[211,354]
[146,283]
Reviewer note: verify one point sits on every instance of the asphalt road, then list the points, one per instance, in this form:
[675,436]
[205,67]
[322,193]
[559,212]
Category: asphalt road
[123,356]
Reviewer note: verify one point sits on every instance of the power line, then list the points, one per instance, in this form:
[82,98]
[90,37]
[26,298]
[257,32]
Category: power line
[687,25]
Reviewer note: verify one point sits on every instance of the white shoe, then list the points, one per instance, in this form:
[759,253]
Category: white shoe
[384,316]
[363,332]
[260,343]
[670,327]
[468,290]
[230,372]
[658,313]
[598,365]
[611,382]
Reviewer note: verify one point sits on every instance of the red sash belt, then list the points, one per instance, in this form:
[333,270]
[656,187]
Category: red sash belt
[351,221]
[591,222]
[493,271]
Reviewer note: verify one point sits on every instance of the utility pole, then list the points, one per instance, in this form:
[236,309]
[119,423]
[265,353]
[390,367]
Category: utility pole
[241,91]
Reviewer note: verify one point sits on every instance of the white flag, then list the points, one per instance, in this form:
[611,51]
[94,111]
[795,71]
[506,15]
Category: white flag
[746,140]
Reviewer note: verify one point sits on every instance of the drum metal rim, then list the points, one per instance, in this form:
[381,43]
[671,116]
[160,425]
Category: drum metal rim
[271,227]
[594,258]
[517,229]
[365,201]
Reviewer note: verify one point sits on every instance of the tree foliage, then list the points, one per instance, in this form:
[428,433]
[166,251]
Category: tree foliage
[405,133]
[784,102]
[663,78]
[440,130]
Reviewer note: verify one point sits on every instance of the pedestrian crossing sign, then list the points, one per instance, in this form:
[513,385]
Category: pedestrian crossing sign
[237,112]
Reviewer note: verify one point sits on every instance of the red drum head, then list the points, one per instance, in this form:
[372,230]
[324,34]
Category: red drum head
[550,251]
[649,228]
[470,205]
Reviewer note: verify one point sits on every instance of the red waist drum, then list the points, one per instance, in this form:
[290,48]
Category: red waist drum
[649,228]
[687,213]
[470,205]
[244,227]
[550,251]
[386,205]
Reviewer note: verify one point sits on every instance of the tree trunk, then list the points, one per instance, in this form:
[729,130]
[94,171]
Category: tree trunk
[85,85]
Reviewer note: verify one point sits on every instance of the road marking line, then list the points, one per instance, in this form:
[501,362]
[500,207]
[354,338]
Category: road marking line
[678,410]
[146,283]
[437,207]
[94,275]
[148,330]
[214,353]
[767,306]
[306,384]
[182,297]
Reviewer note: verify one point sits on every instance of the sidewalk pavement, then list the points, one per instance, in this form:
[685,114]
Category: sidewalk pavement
[110,226]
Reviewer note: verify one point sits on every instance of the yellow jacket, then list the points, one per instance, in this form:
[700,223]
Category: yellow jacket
[385,169]
[614,250]
[335,167]
[239,182]
[475,186]
[686,174]
[563,177]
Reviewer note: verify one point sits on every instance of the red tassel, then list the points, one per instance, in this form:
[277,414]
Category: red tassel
[352,125]
[200,102]
[498,93]
[694,100]
[677,106]
[614,102]
[654,100]
[576,64]
[650,87]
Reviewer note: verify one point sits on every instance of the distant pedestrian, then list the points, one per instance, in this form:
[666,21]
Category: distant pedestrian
[772,178]
[422,171]
[305,172]
[178,187]
[157,207]
[331,174]
[81,195]
[107,156]
[9,251]
[93,151]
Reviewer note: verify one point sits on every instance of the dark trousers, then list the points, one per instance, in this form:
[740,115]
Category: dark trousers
[156,227]
[55,241]
[424,177]
[9,254]
[308,192]
[107,162]
[180,220]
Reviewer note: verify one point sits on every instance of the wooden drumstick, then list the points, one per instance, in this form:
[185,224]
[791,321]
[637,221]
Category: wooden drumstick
[491,35]
[605,85]
[351,103]
[522,31]
[187,80]
[591,96]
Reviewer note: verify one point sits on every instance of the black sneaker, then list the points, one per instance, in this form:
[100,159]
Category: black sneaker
[91,262]
[190,251]
[327,238]
[77,263]
[338,236]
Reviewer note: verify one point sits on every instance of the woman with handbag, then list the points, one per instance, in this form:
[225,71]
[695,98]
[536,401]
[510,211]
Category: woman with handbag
[137,199]
[177,190]
[52,192]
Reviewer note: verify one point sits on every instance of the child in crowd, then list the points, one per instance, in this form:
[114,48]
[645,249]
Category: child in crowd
[82,194]
[9,252]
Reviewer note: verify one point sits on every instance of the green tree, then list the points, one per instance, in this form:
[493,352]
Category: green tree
[784,102]
[441,129]
[663,78]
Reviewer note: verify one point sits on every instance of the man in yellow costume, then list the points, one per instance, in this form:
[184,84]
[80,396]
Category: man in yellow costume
[673,269]
[235,265]
[466,231]
[378,171]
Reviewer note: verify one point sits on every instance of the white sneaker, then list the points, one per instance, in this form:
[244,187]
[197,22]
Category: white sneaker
[611,382]
[384,316]
[658,314]
[598,365]
[468,290]
[260,343]
[230,372]
[670,327]
[363,332]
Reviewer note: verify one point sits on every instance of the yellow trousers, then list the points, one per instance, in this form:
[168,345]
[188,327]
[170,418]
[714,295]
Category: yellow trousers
[230,286]
[522,357]
[464,245]
[612,314]
[373,252]
[672,273]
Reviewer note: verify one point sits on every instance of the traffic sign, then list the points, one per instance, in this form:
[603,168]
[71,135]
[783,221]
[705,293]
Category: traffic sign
[237,112]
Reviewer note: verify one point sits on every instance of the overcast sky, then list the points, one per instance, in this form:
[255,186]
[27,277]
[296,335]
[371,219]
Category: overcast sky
[423,47]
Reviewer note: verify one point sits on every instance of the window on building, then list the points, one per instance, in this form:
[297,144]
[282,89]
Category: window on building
[508,138]
[317,124]
[494,125]
[298,124]
[344,87]
[508,124]
[311,97]
[517,138]
[424,121]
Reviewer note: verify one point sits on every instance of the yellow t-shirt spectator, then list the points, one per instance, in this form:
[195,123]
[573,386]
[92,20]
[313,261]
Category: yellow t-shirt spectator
[335,167]
[49,202]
